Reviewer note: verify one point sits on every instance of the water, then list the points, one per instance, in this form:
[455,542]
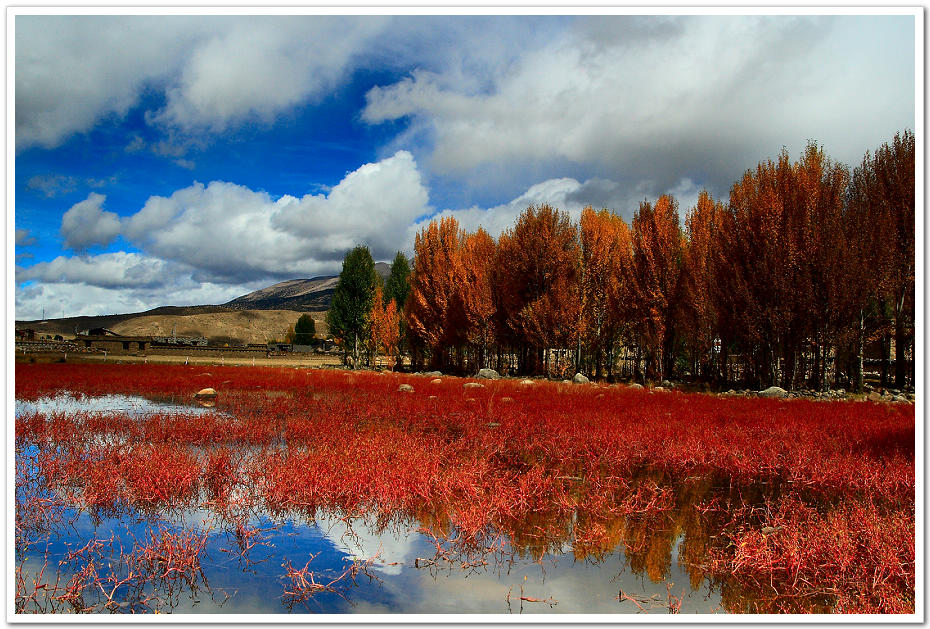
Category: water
[400,567]
[114,404]
[404,575]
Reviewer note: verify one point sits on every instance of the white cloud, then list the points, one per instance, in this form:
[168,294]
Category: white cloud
[71,71]
[80,298]
[86,224]
[372,205]
[662,99]
[260,67]
[106,270]
[229,232]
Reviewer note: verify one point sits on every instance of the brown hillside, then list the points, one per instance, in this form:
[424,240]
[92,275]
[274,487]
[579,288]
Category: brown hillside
[242,326]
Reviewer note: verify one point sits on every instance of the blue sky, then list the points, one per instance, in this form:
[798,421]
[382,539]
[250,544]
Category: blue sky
[165,160]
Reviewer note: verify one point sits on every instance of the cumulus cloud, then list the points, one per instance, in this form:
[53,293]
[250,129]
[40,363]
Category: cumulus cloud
[703,97]
[229,232]
[262,66]
[87,224]
[73,71]
[81,298]
[106,270]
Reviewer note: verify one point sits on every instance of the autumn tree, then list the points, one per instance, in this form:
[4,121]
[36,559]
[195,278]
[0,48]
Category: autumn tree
[782,265]
[348,315]
[876,235]
[384,330]
[477,260]
[434,313]
[697,311]
[657,256]
[536,280]
[605,283]
[893,195]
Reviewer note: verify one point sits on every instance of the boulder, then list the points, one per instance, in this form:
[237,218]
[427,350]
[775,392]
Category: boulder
[488,374]
[436,381]
[874,396]
[666,384]
[405,388]
[580,378]
[773,392]
[205,394]
[473,385]
[506,400]
[433,374]
[526,383]
[636,385]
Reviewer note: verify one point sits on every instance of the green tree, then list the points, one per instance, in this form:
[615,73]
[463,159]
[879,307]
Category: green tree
[398,286]
[348,316]
[304,330]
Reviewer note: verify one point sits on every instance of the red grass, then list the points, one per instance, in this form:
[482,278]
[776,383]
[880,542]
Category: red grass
[629,467]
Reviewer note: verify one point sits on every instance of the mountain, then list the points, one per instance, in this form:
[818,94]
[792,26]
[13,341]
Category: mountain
[314,294]
[307,295]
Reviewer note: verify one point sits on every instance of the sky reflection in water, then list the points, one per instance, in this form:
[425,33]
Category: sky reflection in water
[255,583]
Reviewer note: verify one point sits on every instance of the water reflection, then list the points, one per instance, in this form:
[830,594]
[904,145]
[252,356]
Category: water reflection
[646,543]
[114,404]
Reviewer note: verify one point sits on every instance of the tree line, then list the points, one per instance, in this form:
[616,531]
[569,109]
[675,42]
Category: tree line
[786,282]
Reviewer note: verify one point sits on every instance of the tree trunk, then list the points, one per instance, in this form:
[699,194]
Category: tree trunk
[859,377]
[900,344]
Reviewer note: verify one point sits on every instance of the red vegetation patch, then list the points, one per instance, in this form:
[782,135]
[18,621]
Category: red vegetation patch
[788,505]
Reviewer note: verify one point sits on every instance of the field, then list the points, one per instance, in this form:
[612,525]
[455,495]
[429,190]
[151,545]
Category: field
[756,505]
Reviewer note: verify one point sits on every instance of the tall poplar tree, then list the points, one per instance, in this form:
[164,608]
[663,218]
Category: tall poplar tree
[348,316]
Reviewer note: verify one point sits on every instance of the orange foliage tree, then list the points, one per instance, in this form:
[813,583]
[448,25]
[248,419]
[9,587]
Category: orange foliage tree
[477,261]
[606,282]
[891,192]
[697,311]
[535,279]
[434,311]
[782,264]
[657,255]
[385,332]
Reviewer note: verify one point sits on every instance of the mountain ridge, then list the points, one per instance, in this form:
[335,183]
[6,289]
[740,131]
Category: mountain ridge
[301,295]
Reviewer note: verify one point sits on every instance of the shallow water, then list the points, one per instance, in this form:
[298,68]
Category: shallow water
[404,572]
[132,405]
[402,568]
[401,577]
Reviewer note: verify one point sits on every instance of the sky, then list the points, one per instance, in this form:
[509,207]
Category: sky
[185,160]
